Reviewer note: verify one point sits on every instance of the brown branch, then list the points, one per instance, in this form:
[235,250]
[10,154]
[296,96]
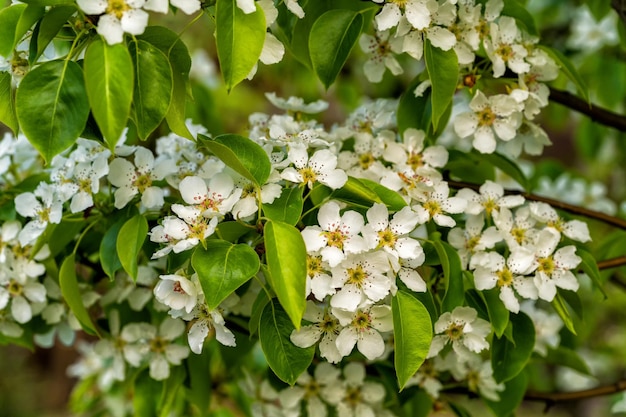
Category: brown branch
[592,214]
[595,113]
[612,263]
[560,397]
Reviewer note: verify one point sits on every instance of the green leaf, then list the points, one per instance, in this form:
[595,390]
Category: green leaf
[170,391]
[285,253]
[109,260]
[129,242]
[284,358]
[50,26]
[443,70]
[332,37]
[31,15]
[45,3]
[287,208]
[109,81]
[498,313]
[153,86]
[508,359]
[412,334]
[9,18]
[52,106]
[505,165]
[7,102]
[257,309]
[64,233]
[464,166]
[71,294]
[590,267]
[222,268]
[176,51]
[567,357]
[239,39]
[523,17]
[451,264]
[356,192]
[392,199]
[146,395]
[241,154]
[511,397]
[560,307]
[568,68]
[200,386]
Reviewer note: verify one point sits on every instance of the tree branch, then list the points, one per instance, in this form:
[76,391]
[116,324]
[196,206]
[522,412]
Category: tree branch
[612,263]
[592,214]
[552,398]
[595,113]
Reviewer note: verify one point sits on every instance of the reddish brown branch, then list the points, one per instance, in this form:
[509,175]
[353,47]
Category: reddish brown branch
[612,263]
[595,113]
[560,397]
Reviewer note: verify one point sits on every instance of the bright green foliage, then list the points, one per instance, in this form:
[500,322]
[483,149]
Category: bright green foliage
[71,293]
[129,242]
[510,357]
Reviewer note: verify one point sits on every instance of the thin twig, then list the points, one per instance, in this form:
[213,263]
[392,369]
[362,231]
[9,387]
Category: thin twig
[592,214]
[560,397]
[595,113]
[612,263]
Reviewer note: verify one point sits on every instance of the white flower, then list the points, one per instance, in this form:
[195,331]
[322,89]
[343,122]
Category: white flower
[43,207]
[318,279]
[312,390]
[138,178]
[321,167]
[206,321]
[361,280]
[337,236]
[411,152]
[473,239]
[574,229]
[296,104]
[362,328]
[324,326]
[212,200]
[518,229]
[478,373]
[356,397]
[547,327]
[118,17]
[503,48]
[499,114]
[490,199]
[436,204]
[163,350]
[381,55]
[176,292]
[463,329]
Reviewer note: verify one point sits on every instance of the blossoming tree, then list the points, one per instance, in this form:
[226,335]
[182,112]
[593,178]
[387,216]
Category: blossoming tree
[377,266]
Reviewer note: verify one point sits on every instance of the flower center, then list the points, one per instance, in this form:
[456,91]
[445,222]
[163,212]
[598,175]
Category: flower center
[117,8]
[505,277]
[433,207]
[486,117]
[314,265]
[361,321]
[387,238]
[519,234]
[366,159]
[415,160]
[356,276]
[454,331]
[142,182]
[334,238]
[490,205]
[308,175]
[15,288]
[158,345]
[471,243]
[546,265]
[328,324]
[505,52]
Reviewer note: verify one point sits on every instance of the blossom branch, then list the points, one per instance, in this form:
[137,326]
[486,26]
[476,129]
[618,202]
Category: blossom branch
[552,398]
[595,113]
[592,214]
[612,263]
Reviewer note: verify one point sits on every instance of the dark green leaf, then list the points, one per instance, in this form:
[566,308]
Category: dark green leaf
[153,86]
[568,68]
[509,359]
[498,313]
[200,386]
[64,233]
[108,249]
[505,165]
[222,268]
[286,261]
[147,395]
[241,154]
[511,397]
[72,296]
[287,208]
[464,166]
[523,17]
[109,82]
[257,309]
[443,70]
[451,264]
[286,359]
[412,334]
[590,266]
[392,199]
[567,357]
[239,39]
[129,242]
[52,106]
[333,36]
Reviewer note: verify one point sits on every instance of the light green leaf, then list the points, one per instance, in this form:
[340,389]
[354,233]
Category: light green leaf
[417,111]
[50,26]
[153,86]
[508,359]
[392,199]
[287,208]
[31,15]
[109,81]
[523,17]
[241,154]
[451,264]
[412,334]
[284,358]
[176,51]
[52,106]
[357,193]
[285,253]
[64,233]
[560,307]
[222,268]
[7,102]
[9,18]
[49,2]
[443,70]
[332,37]
[71,294]
[464,166]
[590,267]
[569,69]
[239,39]
[129,242]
